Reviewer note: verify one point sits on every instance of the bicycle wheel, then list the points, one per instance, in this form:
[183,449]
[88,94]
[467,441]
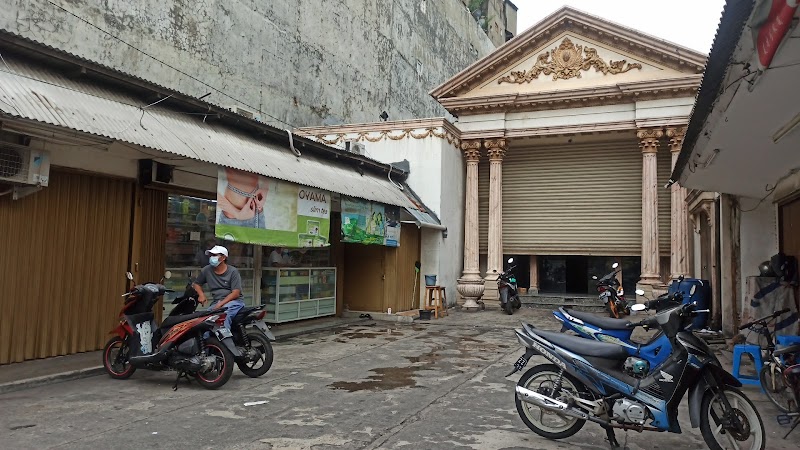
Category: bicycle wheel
[776,388]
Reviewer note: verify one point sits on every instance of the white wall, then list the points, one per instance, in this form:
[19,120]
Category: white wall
[437,175]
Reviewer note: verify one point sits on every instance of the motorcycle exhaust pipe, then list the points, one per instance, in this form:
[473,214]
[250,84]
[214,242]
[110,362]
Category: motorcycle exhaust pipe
[551,404]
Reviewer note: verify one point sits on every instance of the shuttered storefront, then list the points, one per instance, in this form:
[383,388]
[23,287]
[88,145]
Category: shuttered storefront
[65,255]
[570,200]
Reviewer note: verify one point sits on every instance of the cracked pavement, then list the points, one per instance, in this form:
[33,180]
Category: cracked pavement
[379,385]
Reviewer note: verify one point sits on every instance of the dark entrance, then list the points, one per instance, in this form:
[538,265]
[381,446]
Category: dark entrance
[573,274]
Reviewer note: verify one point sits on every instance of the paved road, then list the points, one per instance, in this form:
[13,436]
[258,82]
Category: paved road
[426,385]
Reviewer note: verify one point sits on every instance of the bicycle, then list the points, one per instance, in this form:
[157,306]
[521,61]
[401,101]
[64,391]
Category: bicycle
[771,374]
[791,377]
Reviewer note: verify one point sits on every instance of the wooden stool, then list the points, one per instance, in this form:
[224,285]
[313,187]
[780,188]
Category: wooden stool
[436,300]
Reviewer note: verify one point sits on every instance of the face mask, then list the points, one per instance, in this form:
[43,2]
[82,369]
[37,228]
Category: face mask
[214,261]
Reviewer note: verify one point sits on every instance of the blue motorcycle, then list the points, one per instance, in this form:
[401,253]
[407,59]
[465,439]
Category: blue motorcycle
[585,380]
[643,357]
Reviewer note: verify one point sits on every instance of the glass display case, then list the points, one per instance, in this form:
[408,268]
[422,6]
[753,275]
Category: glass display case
[293,293]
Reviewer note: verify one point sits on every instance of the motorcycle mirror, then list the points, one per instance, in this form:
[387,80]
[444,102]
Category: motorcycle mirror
[129,276]
[691,291]
[615,265]
[638,306]
[167,275]
[639,292]
[510,260]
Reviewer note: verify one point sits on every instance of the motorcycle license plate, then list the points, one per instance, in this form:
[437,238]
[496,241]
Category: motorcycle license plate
[223,333]
[521,362]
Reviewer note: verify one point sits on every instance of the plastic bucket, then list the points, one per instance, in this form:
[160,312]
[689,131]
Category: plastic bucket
[430,280]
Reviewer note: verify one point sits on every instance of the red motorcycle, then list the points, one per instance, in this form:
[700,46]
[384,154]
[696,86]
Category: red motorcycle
[196,345]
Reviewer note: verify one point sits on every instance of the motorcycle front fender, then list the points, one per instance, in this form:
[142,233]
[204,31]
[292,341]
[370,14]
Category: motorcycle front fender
[722,378]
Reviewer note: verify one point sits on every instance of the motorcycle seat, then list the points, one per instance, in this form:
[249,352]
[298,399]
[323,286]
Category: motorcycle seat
[174,320]
[583,346]
[243,313]
[609,323]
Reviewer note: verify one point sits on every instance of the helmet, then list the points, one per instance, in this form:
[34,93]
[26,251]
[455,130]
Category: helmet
[766,269]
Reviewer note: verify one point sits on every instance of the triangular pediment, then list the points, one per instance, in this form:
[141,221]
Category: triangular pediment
[572,50]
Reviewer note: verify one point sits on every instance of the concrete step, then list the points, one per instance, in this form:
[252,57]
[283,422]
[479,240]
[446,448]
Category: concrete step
[579,303]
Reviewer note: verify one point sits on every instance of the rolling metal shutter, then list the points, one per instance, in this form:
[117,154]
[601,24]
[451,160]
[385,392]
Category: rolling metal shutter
[576,199]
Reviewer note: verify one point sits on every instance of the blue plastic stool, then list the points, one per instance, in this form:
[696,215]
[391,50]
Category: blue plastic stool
[755,352]
[786,341]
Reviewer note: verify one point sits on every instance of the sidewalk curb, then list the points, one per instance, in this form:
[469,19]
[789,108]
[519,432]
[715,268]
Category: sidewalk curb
[99,370]
[51,379]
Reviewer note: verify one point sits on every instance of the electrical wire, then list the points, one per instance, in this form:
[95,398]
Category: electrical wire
[166,64]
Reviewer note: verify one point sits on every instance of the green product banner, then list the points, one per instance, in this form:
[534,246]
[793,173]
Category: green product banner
[365,222]
[263,211]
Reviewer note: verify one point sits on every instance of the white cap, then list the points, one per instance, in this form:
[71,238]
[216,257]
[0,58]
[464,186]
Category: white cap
[218,250]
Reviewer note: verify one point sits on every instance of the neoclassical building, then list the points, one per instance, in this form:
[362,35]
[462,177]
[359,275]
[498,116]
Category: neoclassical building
[569,133]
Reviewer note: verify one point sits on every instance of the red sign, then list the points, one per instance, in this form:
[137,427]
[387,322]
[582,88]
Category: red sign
[771,32]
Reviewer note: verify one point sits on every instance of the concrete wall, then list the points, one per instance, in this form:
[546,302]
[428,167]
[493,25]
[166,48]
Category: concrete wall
[759,236]
[305,62]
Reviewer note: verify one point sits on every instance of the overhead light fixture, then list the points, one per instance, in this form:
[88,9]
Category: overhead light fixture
[711,157]
[786,129]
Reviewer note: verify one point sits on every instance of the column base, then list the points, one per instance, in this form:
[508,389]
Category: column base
[491,292]
[470,289]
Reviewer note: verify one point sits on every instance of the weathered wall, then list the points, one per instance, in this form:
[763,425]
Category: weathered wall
[305,62]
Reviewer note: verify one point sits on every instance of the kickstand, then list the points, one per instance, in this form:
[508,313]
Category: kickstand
[612,440]
[178,378]
[796,422]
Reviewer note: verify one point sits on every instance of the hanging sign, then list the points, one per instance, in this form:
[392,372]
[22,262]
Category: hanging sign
[258,210]
[365,222]
[771,20]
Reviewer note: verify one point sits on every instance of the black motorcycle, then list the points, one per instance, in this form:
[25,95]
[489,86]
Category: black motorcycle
[507,287]
[611,293]
[250,334]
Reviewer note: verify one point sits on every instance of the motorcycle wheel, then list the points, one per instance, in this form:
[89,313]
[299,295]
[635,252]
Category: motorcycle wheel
[116,364]
[505,302]
[541,379]
[517,302]
[221,373]
[775,387]
[260,343]
[749,437]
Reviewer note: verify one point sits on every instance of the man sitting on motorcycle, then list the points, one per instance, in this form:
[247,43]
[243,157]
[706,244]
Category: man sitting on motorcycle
[224,282]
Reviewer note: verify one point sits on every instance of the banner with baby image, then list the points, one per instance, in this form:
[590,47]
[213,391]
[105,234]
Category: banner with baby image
[366,222]
[258,210]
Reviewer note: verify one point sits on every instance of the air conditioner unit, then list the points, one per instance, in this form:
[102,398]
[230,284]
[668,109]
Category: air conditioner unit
[355,147]
[24,165]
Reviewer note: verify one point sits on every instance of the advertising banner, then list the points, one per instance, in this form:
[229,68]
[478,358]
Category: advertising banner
[258,210]
[365,222]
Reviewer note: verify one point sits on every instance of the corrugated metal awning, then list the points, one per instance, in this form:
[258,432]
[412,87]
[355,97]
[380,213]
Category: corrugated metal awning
[30,92]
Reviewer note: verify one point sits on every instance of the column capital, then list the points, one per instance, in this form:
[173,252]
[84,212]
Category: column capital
[471,149]
[648,139]
[676,136]
[496,148]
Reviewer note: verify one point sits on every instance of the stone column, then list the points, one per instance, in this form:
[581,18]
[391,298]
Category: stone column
[496,150]
[534,289]
[679,258]
[650,264]
[470,285]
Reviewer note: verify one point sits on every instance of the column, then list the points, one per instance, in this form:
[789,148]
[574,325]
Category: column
[470,285]
[496,150]
[679,258]
[650,265]
[534,289]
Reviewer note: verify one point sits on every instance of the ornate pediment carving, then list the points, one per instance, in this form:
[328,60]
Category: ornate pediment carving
[568,61]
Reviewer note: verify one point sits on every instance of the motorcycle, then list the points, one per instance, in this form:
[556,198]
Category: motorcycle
[177,344]
[507,287]
[250,334]
[618,331]
[587,381]
[611,293]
